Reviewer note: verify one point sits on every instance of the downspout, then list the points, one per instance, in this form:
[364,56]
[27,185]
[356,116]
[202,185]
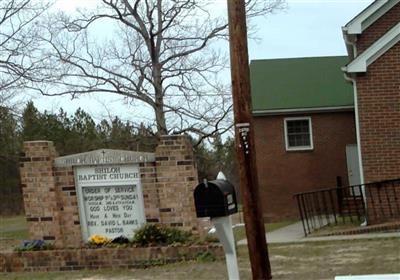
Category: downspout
[353,81]
[361,168]
[351,42]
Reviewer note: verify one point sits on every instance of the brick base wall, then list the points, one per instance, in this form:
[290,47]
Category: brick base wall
[383,202]
[78,259]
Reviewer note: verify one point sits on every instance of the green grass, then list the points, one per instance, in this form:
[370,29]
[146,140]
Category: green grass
[13,229]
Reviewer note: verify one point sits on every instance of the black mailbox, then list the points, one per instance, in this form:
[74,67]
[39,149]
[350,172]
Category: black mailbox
[215,199]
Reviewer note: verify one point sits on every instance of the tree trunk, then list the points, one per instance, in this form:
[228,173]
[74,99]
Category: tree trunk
[159,101]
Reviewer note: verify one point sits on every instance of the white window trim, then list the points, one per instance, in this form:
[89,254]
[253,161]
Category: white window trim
[299,148]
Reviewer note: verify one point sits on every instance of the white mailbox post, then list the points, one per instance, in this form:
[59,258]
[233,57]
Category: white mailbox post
[217,199]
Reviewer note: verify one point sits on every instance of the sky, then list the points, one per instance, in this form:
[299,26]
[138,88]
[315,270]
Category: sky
[306,28]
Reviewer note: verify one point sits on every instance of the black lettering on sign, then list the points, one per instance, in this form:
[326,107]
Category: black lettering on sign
[129,222]
[94,208]
[122,176]
[127,207]
[91,223]
[114,230]
[110,208]
[108,223]
[124,189]
[107,170]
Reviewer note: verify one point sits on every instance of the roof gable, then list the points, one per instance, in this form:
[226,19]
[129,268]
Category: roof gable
[299,83]
[368,16]
[361,62]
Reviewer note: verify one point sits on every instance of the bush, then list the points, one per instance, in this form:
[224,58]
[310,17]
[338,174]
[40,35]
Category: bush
[120,240]
[33,245]
[153,234]
[211,238]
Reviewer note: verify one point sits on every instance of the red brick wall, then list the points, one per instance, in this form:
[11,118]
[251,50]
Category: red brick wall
[175,183]
[379,112]
[383,203]
[111,258]
[282,173]
[378,29]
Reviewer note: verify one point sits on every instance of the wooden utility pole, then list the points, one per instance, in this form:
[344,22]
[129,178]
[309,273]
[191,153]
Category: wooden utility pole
[244,131]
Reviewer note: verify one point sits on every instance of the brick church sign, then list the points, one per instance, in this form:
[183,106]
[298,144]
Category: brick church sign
[108,192]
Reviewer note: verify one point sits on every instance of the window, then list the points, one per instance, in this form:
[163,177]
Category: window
[298,134]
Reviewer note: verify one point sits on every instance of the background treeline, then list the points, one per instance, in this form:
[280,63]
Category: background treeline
[80,133]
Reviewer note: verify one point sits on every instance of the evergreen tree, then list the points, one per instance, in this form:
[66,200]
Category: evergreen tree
[32,126]
[10,194]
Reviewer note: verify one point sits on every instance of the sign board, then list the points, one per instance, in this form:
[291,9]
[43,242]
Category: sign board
[110,200]
[103,156]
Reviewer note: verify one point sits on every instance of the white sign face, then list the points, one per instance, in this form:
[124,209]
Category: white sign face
[110,200]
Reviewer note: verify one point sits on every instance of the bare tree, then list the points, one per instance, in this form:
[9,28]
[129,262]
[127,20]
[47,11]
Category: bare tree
[18,40]
[163,54]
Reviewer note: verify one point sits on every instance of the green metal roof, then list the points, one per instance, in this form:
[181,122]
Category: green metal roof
[298,83]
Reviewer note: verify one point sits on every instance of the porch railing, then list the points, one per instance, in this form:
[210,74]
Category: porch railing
[375,202]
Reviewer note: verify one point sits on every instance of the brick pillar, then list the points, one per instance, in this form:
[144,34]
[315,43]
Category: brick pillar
[68,207]
[176,180]
[151,200]
[39,192]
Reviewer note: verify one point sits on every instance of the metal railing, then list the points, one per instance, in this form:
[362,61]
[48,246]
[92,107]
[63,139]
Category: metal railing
[378,202]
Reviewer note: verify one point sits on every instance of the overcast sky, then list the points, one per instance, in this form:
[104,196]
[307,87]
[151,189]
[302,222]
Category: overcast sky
[307,28]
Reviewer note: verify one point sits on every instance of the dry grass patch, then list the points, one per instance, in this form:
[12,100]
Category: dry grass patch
[306,261]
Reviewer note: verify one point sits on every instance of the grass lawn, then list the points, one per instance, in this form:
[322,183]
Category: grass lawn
[300,261]
[12,230]
[332,228]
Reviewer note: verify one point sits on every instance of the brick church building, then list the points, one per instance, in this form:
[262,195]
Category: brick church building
[317,119]
[372,40]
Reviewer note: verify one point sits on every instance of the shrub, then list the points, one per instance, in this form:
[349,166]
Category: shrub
[33,245]
[211,238]
[120,240]
[153,234]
